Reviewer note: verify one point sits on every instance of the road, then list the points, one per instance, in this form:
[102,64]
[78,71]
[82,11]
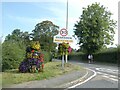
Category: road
[105,76]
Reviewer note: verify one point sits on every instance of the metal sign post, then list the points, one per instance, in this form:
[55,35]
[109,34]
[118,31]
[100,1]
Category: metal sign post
[64,37]
[66,58]
[62,61]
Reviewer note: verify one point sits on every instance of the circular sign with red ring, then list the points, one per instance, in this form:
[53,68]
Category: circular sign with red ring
[63,32]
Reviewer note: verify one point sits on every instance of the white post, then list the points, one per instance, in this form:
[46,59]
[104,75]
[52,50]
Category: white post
[66,57]
[62,61]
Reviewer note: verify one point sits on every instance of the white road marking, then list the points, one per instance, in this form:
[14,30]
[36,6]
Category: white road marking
[111,78]
[85,80]
[107,74]
[95,73]
[107,70]
[78,79]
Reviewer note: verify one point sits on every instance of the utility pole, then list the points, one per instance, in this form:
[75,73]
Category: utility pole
[67,16]
[66,27]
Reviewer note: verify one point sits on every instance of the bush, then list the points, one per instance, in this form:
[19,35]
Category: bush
[47,56]
[76,56]
[12,55]
[110,55]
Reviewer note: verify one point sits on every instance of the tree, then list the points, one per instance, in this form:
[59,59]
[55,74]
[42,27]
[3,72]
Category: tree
[13,49]
[95,28]
[44,33]
[12,55]
[26,38]
[18,36]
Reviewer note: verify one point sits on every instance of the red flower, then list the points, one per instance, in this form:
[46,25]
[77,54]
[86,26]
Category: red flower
[41,59]
[33,51]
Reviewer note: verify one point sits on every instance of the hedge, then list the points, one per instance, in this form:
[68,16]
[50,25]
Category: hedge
[109,55]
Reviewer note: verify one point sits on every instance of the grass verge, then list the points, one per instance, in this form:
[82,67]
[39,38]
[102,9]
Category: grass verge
[51,69]
[0,81]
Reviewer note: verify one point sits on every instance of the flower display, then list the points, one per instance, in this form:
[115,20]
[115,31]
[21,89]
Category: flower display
[34,61]
[35,45]
[69,49]
[64,48]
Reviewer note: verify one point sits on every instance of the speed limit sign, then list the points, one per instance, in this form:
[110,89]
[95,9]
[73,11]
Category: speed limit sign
[63,32]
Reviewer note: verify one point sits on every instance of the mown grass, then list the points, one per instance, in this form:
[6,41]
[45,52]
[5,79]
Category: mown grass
[0,80]
[51,69]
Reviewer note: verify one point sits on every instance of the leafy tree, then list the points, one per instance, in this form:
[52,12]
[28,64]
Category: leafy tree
[15,36]
[13,49]
[95,29]
[44,33]
[26,38]
[12,55]
[18,36]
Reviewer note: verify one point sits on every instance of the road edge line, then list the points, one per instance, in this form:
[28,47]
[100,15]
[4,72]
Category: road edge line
[85,80]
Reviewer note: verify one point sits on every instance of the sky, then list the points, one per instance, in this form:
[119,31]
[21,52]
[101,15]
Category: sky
[24,15]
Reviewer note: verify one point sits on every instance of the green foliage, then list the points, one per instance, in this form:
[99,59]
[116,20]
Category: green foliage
[118,55]
[15,44]
[60,49]
[12,55]
[13,49]
[118,48]
[47,56]
[109,55]
[44,33]
[76,56]
[95,29]
[18,36]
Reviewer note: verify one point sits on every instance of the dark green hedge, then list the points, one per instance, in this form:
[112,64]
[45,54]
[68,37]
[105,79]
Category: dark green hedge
[76,56]
[107,56]
[110,55]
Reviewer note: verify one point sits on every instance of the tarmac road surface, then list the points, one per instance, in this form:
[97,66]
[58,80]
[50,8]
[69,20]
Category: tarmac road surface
[106,76]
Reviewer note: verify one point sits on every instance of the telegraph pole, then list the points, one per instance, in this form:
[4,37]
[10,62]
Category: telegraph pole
[66,26]
[67,16]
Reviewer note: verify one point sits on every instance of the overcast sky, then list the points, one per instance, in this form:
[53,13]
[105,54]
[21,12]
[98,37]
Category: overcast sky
[24,15]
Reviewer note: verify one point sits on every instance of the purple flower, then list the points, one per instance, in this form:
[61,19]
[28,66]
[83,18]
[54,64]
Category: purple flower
[23,67]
